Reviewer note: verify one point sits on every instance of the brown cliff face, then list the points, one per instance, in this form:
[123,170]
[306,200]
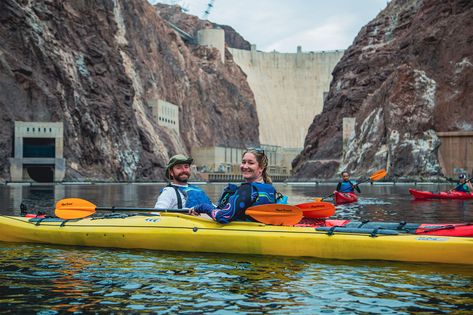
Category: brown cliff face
[406,76]
[95,66]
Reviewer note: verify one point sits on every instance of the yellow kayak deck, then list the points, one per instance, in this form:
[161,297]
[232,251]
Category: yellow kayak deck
[180,232]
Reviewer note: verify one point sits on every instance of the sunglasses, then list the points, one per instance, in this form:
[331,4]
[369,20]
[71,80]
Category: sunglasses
[257,150]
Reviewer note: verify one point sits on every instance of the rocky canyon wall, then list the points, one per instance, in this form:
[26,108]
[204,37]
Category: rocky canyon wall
[95,65]
[407,76]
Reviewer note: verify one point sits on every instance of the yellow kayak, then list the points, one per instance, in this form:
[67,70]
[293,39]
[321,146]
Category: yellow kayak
[181,232]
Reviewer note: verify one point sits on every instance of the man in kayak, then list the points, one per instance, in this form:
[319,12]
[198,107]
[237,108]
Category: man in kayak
[463,185]
[178,193]
[256,190]
[346,185]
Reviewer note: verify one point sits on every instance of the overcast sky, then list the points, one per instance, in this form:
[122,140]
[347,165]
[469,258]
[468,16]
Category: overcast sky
[282,25]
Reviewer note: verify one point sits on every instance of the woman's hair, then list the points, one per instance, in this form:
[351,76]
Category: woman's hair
[262,160]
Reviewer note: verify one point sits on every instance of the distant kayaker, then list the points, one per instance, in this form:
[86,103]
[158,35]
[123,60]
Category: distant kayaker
[178,193]
[347,185]
[463,185]
[256,190]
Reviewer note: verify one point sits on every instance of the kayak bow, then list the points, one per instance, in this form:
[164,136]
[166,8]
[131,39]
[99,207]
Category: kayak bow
[342,198]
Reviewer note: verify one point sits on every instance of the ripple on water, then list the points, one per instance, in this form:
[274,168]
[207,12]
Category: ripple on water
[78,279]
[53,279]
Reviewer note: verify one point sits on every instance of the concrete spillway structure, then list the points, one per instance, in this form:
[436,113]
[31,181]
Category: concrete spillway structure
[289,90]
[38,154]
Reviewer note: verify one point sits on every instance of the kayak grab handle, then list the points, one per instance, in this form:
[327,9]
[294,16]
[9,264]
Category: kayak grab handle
[372,232]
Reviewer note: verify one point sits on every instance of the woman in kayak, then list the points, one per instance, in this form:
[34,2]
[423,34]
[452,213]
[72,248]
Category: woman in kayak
[256,190]
[346,185]
[463,185]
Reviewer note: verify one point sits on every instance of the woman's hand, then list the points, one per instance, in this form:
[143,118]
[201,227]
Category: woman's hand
[202,208]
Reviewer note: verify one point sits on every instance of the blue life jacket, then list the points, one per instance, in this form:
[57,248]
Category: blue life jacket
[261,194]
[194,196]
[463,188]
[346,186]
[266,193]
[236,199]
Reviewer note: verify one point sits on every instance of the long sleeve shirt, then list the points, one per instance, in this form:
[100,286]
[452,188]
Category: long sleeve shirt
[167,199]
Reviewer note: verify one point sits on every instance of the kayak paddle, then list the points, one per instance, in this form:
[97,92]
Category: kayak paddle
[317,210]
[76,208]
[376,176]
[274,214]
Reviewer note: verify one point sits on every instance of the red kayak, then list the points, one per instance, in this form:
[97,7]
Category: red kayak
[419,194]
[341,198]
[347,226]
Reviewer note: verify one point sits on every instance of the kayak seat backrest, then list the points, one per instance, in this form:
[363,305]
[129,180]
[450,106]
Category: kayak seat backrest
[400,227]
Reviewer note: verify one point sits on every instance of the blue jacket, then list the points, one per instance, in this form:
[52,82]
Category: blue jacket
[194,196]
[236,199]
[462,188]
[347,186]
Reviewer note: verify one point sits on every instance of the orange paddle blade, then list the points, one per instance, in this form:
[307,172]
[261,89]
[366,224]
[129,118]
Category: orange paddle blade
[317,210]
[275,214]
[74,208]
[317,199]
[378,175]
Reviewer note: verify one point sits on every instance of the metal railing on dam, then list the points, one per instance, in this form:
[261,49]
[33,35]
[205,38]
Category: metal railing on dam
[225,177]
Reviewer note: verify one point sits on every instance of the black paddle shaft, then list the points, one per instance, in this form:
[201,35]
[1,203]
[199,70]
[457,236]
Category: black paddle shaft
[140,209]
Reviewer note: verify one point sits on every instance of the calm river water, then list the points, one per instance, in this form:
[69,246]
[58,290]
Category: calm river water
[60,279]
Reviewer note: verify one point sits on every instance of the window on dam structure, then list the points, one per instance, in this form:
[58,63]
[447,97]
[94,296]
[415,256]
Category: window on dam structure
[39,148]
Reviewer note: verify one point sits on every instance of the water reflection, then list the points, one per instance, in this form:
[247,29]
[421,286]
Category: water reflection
[51,279]
[68,279]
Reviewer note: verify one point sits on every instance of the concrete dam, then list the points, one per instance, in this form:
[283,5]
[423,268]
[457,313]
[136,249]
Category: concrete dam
[289,90]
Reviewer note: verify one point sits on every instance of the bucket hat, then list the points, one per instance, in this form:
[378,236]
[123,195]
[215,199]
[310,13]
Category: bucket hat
[175,160]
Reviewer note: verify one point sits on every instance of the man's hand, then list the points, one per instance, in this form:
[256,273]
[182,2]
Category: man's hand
[193,212]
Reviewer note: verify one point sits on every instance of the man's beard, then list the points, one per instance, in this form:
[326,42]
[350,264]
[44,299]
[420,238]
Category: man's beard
[180,179]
